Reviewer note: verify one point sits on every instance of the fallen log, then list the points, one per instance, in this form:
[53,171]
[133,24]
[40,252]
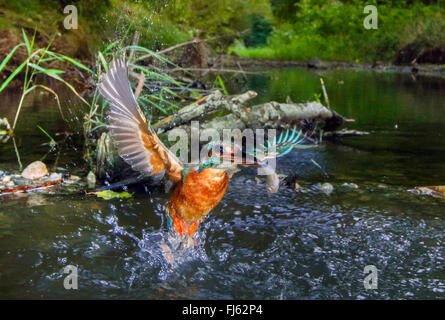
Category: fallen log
[204,106]
[267,115]
[344,133]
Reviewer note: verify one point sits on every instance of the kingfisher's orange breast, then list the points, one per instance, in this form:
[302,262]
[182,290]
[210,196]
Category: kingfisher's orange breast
[200,193]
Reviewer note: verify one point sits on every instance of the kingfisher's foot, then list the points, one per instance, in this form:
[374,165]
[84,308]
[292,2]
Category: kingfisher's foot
[182,227]
[193,228]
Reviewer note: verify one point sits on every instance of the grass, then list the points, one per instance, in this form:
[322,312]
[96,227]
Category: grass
[52,143]
[162,98]
[32,66]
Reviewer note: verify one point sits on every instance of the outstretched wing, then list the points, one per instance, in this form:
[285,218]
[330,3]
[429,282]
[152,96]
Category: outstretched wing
[282,146]
[136,144]
[285,144]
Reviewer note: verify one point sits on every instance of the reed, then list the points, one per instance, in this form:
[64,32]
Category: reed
[33,65]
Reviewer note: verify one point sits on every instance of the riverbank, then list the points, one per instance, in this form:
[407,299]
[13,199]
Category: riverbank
[234,63]
[354,31]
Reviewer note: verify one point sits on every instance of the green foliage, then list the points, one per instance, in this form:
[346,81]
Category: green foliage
[216,17]
[166,23]
[281,29]
[161,23]
[284,9]
[333,30]
[259,32]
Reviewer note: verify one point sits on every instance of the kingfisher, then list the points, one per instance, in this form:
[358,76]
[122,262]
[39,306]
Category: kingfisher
[199,188]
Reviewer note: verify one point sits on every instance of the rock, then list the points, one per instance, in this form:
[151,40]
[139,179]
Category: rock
[91,179]
[301,190]
[74,178]
[35,170]
[422,190]
[316,63]
[55,176]
[327,188]
[382,186]
[431,190]
[10,184]
[350,185]
[313,63]
[6,179]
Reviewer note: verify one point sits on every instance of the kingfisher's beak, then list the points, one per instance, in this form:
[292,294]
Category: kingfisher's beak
[243,161]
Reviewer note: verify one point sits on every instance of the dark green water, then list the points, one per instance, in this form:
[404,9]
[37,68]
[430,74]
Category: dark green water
[291,245]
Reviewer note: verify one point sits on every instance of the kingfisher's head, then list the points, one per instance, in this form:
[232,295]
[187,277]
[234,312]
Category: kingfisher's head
[222,156]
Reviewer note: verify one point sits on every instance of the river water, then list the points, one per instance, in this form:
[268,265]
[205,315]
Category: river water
[303,244]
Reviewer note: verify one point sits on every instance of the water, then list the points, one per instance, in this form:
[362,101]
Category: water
[291,245]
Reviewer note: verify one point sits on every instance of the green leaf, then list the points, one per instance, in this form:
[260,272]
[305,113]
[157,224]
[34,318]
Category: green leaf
[8,57]
[160,108]
[104,63]
[154,54]
[46,71]
[221,84]
[47,59]
[28,46]
[155,75]
[110,46]
[110,194]
[75,62]
[12,75]
[50,72]
[171,92]
[47,134]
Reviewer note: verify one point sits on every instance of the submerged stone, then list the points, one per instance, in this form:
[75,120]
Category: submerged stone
[73,178]
[55,176]
[91,179]
[327,188]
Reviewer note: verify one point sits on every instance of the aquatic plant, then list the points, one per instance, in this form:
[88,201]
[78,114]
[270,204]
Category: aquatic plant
[34,65]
